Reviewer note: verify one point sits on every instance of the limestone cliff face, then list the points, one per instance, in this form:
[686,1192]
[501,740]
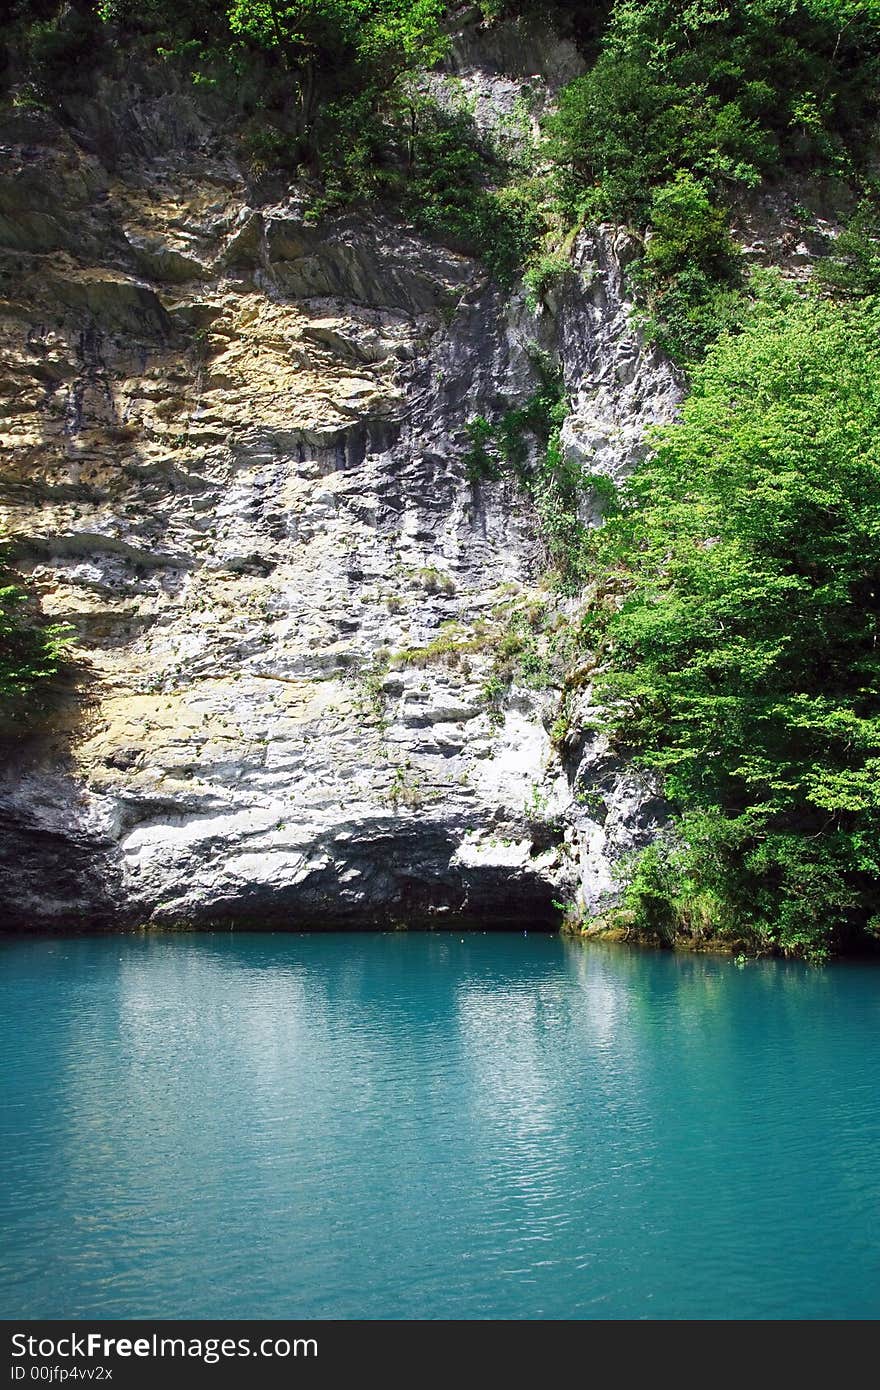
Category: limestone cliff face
[233,458]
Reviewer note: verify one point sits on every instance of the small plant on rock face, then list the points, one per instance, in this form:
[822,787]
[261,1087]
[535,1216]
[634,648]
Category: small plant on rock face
[573,919]
[434,581]
[372,679]
[480,459]
[543,275]
[448,647]
[493,693]
[592,801]
[553,481]
[31,654]
[405,789]
[536,804]
[559,730]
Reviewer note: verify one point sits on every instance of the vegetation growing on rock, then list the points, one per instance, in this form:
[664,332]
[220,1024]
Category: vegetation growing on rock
[30,654]
[680,110]
[686,107]
[740,640]
[731,597]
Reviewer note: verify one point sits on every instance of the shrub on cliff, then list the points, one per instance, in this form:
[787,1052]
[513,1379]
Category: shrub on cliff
[729,91]
[310,56]
[689,104]
[30,654]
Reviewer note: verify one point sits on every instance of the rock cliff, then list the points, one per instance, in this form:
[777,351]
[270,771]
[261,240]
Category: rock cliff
[233,458]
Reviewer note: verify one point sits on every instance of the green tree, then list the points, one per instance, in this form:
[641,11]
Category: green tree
[331,48]
[688,104]
[740,633]
[852,267]
[727,89]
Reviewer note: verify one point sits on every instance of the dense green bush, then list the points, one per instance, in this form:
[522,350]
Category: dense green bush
[691,275]
[852,267]
[728,91]
[456,189]
[739,632]
[688,231]
[686,105]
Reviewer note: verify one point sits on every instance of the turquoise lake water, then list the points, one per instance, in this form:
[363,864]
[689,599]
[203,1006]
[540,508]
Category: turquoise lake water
[429,1127]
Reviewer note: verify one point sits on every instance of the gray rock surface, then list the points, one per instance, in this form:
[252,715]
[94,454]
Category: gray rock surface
[233,458]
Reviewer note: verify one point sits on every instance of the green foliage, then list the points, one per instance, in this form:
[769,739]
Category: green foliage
[681,105]
[524,443]
[686,312]
[30,655]
[556,488]
[533,649]
[543,274]
[690,275]
[435,581]
[432,165]
[314,57]
[335,48]
[853,267]
[455,189]
[685,105]
[323,89]
[352,155]
[688,231]
[502,449]
[480,459]
[46,44]
[739,632]
[728,91]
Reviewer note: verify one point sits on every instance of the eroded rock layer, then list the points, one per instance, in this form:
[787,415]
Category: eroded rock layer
[234,458]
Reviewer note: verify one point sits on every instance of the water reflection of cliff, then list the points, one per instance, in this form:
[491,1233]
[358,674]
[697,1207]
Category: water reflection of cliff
[347,1125]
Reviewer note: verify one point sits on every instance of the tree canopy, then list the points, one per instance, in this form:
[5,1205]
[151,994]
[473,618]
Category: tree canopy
[742,663]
